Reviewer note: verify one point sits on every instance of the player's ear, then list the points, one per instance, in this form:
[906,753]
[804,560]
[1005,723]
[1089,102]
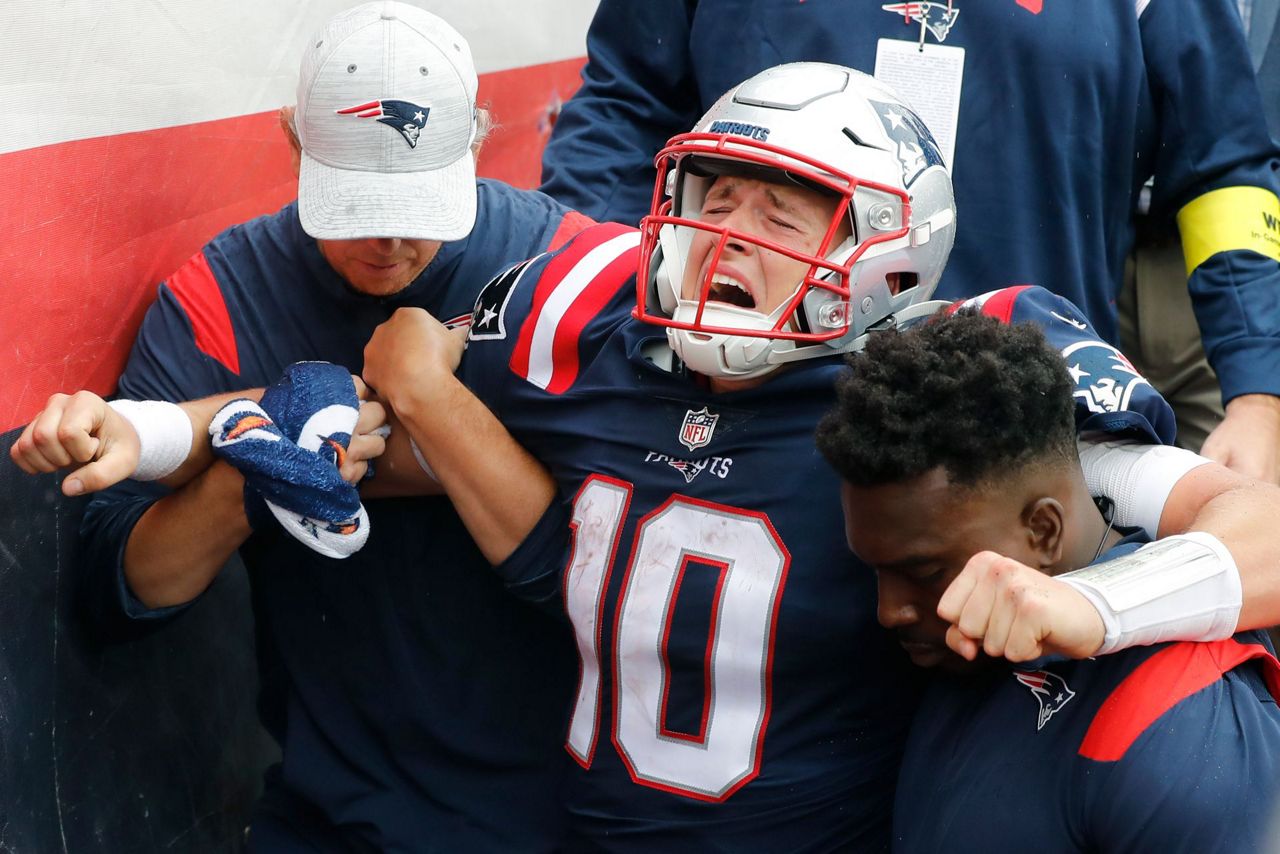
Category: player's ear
[1043,520]
[285,118]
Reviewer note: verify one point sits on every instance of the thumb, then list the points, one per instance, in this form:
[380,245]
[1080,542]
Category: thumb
[117,463]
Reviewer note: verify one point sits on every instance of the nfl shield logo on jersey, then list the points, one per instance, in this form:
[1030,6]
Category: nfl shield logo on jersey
[697,428]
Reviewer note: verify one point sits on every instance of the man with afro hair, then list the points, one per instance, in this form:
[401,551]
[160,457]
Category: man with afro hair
[955,438]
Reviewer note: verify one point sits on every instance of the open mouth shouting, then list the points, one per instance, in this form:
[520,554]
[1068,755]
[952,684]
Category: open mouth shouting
[726,289]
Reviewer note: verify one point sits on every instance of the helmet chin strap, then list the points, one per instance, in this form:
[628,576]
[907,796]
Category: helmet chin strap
[710,358]
[775,358]
[724,355]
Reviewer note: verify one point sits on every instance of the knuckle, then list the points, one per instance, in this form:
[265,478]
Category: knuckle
[43,436]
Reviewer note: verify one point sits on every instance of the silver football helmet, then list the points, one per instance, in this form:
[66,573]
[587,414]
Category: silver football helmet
[825,128]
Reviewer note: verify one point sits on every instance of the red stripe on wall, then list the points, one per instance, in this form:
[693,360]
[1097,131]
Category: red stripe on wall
[524,103]
[89,228]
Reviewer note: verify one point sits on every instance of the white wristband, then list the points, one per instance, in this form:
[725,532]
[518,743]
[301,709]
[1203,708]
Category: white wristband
[1137,478]
[164,434]
[1181,588]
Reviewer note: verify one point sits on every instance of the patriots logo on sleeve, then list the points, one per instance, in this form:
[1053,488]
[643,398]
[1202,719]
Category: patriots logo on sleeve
[1105,380]
[916,148]
[405,117]
[488,319]
[1110,394]
[1049,689]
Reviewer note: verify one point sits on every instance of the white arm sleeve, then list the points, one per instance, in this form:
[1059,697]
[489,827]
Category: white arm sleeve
[1137,478]
[1185,587]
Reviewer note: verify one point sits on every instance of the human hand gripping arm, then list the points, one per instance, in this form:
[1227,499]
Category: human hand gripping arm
[499,490]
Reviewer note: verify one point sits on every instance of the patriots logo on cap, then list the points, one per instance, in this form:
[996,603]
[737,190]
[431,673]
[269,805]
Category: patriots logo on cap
[938,18]
[916,149]
[406,117]
[1050,691]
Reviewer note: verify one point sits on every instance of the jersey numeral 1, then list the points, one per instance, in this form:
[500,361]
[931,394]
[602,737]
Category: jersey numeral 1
[752,561]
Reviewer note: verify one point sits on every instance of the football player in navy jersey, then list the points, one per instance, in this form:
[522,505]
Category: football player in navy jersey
[957,437]
[735,692]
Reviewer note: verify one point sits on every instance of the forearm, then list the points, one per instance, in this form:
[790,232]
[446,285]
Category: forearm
[499,490]
[398,472]
[183,540]
[1242,513]
[200,457]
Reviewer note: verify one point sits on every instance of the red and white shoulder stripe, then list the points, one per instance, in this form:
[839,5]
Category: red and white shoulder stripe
[573,288]
[999,303]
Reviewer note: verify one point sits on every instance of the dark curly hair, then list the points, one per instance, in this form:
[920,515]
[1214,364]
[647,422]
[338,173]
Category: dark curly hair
[979,397]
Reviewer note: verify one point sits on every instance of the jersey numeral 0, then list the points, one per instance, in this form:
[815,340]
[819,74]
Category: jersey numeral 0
[725,755]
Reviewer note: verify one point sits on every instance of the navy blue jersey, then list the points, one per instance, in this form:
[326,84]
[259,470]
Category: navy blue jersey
[736,692]
[418,706]
[1067,107]
[1170,748]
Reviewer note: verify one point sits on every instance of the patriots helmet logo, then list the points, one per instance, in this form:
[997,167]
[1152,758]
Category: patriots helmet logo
[937,18]
[1050,691]
[916,148]
[405,117]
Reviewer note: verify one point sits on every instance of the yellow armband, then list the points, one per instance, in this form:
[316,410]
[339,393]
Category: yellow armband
[1228,219]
